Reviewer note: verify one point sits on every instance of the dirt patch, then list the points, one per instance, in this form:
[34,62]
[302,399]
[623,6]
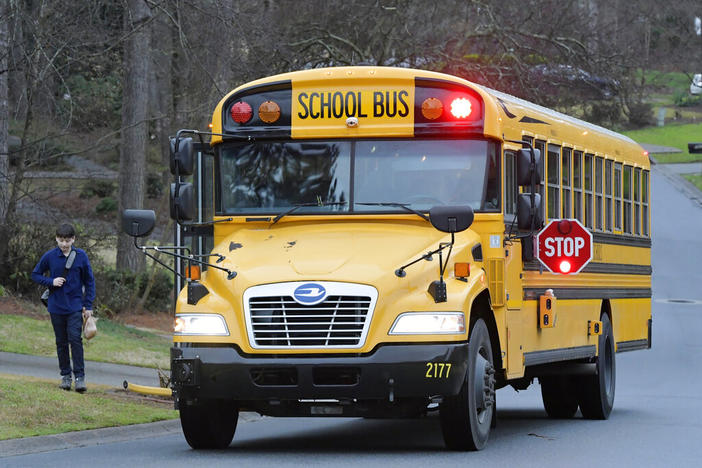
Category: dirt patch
[157,322]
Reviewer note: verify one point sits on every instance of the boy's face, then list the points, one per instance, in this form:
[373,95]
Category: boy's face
[65,243]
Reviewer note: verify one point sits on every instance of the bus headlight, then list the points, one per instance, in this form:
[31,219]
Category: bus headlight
[429,323]
[200,324]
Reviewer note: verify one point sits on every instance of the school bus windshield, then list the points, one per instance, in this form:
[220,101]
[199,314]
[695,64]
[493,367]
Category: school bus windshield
[270,177]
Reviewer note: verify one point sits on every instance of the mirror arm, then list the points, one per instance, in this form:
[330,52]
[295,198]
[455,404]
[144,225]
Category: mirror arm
[400,272]
[190,258]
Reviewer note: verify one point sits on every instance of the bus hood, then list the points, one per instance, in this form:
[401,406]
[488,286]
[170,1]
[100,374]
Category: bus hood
[358,251]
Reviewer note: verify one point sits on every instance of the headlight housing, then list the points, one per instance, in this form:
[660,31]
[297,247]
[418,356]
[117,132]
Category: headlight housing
[429,323]
[200,324]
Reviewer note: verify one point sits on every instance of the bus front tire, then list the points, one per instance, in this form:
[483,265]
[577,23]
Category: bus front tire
[467,417]
[209,425]
[596,396]
[558,393]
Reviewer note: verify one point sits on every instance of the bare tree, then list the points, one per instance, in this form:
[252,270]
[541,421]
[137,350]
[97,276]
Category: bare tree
[4,110]
[135,93]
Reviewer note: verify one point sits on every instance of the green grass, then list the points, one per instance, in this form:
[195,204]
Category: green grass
[695,179]
[114,342]
[32,407]
[674,135]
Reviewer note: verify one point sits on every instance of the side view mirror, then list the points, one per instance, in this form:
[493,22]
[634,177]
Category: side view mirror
[182,156]
[138,223]
[451,218]
[524,167]
[524,211]
[182,204]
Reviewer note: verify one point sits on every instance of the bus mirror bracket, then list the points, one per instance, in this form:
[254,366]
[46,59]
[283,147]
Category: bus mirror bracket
[450,219]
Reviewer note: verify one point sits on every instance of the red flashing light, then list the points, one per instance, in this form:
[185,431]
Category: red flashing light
[564,266]
[461,108]
[564,227]
[241,112]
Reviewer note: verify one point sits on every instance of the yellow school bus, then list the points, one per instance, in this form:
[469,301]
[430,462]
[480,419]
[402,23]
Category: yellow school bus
[366,244]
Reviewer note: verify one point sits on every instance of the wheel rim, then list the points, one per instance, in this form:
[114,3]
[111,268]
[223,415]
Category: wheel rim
[483,387]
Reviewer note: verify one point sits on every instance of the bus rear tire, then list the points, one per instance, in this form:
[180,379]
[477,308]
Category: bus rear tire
[466,418]
[558,393]
[596,395]
[209,425]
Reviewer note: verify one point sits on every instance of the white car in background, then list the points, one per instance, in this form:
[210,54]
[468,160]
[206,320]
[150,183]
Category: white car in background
[696,85]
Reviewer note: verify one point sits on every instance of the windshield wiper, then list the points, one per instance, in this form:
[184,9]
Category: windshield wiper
[302,205]
[397,205]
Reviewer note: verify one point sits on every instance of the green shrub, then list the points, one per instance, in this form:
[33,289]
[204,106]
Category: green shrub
[97,188]
[685,99]
[640,114]
[107,205]
[116,288]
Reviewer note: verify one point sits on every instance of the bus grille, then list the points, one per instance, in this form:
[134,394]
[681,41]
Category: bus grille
[280,322]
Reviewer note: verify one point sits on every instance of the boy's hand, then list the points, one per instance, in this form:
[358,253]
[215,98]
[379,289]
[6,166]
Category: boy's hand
[87,313]
[58,282]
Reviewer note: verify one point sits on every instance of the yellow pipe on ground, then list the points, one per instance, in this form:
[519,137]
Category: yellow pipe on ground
[146,390]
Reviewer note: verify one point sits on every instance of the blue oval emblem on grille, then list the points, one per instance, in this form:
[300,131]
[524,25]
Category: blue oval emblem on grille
[310,294]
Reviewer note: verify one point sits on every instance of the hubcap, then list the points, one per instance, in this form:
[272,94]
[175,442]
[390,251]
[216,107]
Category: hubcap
[483,386]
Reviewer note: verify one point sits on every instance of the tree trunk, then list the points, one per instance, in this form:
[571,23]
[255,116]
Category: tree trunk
[135,92]
[4,112]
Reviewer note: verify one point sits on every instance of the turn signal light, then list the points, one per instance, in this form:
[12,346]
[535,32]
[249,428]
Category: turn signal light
[461,270]
[193,272]
[241,112]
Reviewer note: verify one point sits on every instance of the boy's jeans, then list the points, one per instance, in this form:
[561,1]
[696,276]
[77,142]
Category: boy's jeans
[67,329]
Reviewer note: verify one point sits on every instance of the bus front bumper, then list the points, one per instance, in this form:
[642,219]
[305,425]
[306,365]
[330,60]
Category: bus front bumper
[390,372]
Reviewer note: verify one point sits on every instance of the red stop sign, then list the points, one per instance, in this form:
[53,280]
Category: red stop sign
[564,246]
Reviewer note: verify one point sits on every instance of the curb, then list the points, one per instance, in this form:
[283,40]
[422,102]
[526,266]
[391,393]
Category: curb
[686,187]
[93,437]
[68,440]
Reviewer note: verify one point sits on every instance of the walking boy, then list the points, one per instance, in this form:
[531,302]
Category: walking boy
[71,300]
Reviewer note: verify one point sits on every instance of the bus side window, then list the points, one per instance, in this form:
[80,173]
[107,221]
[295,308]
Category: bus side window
[554,188]
[637,201]
[627,199]
[608,195]
[617,196]
[588,190]
[578,185]
[644,203]
[511,189]
[565,183]
[598,192]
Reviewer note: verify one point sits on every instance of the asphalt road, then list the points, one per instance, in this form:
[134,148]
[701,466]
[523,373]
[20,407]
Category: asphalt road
[655,421]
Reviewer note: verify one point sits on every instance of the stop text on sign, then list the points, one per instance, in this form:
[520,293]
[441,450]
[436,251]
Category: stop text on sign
[563,246]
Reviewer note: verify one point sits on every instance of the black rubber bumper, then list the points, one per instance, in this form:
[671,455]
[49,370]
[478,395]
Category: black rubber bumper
[391,371]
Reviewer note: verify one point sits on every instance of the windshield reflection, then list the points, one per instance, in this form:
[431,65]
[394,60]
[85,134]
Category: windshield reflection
[271,177]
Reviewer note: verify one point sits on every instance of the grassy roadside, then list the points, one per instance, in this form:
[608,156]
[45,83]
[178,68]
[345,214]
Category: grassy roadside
[695,179]
[32,407]
[674,135]
[114,342]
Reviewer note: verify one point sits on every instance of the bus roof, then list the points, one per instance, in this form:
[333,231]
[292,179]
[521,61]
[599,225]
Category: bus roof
[503,113]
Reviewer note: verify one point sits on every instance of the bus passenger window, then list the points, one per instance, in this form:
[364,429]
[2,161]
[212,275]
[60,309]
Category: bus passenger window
[577,185]
[644,203]
[608,195]
[565,183]
[617,196]
[554,157]
[598,192]
[637,201]
[627,199]
[588,190]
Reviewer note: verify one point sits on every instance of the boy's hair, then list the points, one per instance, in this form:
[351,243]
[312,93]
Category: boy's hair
[66,231]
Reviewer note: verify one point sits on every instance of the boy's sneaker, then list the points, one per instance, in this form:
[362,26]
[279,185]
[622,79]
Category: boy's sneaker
[65,382]
[80,384]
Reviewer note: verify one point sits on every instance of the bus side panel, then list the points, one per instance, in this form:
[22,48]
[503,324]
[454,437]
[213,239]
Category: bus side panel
[630,320]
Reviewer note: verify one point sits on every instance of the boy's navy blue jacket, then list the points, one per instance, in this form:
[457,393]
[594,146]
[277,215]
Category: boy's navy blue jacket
[70,297]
